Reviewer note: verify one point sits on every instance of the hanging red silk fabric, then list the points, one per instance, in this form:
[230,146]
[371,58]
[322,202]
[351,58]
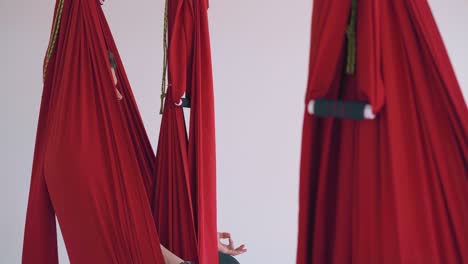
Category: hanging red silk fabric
[393,189]
[185,190]
[93,164]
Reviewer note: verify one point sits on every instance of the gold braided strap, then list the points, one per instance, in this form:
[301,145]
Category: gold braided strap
[164,74]
[53,37]
[351,35]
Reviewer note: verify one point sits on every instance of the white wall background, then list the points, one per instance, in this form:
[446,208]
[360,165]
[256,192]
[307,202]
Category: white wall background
[260,58]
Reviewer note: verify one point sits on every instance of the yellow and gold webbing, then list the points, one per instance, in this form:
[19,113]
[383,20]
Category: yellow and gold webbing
[53,36]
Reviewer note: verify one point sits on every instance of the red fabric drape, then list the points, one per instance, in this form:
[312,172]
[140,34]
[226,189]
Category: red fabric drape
[395,189]
[93,164]
[185,194]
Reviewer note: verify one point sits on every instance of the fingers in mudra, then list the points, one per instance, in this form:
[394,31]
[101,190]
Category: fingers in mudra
[229,248]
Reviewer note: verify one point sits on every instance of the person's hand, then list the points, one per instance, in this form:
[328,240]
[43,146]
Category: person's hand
[229,249]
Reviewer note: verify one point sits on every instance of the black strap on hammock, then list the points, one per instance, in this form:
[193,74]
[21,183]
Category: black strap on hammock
[340,108]
[184,102]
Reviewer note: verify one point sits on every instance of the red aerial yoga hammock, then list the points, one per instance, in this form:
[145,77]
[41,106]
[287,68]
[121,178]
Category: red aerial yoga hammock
[93,165]
[185,190]
[393,189]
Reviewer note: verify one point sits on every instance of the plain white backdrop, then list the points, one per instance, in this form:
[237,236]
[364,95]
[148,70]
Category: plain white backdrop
[260,58]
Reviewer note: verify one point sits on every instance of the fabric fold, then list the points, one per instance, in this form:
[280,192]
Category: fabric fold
[394,189]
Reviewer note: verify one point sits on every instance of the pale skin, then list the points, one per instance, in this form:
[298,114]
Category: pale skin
[114,76]
[169,257]
[228,249]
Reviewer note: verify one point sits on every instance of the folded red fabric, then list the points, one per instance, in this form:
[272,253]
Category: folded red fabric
[394,189]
